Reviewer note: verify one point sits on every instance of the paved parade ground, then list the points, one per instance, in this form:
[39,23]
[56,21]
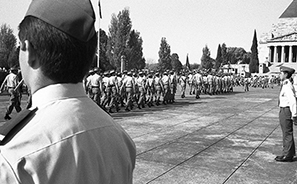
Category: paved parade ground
[228,138]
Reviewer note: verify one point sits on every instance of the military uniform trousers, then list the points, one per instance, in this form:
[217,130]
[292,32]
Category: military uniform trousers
[14,101]
[96,94]
[286,124]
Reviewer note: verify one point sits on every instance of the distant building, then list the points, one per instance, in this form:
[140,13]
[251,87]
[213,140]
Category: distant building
[279,46]
[236,68]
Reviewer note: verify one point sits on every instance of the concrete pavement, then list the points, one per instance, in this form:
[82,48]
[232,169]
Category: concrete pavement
[229,138]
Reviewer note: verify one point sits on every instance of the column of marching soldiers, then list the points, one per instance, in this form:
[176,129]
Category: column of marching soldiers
[138,89]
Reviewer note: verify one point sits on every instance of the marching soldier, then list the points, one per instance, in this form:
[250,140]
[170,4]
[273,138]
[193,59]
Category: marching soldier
[173,85]
[159,87]
[166,82]
[11,82]
[140,82]
[96,86]
[129,85]
[198,84]
[150,88]
[112,91]
[183,84]
[190,82]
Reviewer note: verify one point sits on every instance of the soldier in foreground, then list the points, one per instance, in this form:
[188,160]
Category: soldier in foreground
[287,115]
[64,137]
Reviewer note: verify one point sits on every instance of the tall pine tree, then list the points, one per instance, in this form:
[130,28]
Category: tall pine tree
[206,60]
[224,54]
[134,52]
[219,58]
[119,34]
[254,62]
[164,55]
[188,66]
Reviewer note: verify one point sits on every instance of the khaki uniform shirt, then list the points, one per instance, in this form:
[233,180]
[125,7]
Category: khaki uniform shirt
[69,140]
[287,97]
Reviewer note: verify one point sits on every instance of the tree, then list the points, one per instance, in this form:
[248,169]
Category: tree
[224,54]
[103,60]
[254,62]
[188,66]
[134,52]
[119,34]
[152,66]
[164,55]
[219,58]
[246,58]
[206,60]
[175,62]
[7,45]
[13,59]
[235,54]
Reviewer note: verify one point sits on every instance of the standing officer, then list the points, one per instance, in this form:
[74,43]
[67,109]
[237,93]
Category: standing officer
[64,137]
[11,81]
[287,114]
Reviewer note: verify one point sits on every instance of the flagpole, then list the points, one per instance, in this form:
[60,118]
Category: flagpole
[100,16]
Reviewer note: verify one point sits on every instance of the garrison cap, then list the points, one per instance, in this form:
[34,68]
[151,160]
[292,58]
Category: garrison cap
[287,69]
[74,17]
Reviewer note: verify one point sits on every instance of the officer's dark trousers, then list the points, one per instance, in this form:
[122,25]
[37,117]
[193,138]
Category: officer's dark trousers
[286,124]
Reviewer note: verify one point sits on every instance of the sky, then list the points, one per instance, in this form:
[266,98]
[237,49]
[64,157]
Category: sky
[187,25]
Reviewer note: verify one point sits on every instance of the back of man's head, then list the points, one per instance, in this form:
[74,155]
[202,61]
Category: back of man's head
[64,53]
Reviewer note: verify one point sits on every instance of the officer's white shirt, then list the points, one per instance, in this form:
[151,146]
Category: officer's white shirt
[287,97]
[69,140]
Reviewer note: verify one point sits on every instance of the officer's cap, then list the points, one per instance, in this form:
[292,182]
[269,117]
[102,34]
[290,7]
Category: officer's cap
[287,69]
[112,72]
[140,73]
[74,17]
[125,72]
[129,73]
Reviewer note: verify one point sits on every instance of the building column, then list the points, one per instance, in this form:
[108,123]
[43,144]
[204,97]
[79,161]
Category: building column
[275,54]
[270,54]
[282,54]
[290,53]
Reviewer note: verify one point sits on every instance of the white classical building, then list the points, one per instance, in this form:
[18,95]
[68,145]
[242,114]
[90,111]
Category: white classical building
[279,46]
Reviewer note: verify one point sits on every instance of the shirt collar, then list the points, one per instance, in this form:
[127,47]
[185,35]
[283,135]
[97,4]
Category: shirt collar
[56,92]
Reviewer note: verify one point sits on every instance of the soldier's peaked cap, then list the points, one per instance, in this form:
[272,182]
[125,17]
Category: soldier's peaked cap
[287,69]
[74,17]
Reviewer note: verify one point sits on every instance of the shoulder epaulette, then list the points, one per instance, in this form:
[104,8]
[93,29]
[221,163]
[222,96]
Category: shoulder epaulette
[10,128]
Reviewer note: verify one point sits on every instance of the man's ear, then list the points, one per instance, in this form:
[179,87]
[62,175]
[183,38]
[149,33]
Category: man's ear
[27,47]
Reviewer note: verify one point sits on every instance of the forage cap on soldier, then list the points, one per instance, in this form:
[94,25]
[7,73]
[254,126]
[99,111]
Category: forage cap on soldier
[287,69]
[73,17]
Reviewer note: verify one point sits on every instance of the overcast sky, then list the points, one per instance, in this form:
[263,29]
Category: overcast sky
[188,25]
